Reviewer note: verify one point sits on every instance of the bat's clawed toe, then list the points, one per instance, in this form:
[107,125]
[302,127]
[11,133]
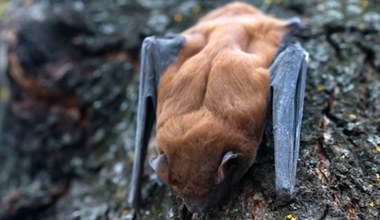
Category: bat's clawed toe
[184,212]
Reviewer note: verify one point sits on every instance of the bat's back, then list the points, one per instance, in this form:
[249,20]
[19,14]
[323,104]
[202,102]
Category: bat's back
[223,70]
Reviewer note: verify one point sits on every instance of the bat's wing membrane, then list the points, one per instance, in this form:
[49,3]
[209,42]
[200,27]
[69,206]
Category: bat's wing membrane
[288,91]
[156,55]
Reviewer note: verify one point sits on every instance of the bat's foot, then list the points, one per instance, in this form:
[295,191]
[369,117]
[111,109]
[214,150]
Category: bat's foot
[184,213]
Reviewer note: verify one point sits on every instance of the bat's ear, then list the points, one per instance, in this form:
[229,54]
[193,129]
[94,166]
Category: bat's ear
[231,162]
[161,166]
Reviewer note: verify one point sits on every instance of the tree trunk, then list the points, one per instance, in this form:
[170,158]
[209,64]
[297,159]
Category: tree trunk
[68,99]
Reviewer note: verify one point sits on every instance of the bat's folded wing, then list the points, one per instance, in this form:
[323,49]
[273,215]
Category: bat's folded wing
[156,55]
[288,76]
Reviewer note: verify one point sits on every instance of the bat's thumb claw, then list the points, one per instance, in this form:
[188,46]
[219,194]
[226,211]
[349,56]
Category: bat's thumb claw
[298,27]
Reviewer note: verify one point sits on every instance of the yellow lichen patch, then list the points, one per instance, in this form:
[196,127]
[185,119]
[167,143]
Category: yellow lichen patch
[377,148]
[372,204]
[278,2]
[178,17]
[131,156]
[343,156]
[196,9]
[118,194]
[352,116]
[370,186]
[321,88]
[2,7]
[378,178]
[364,4]
[125,212]
[267,2]
[4,94]
[290,217]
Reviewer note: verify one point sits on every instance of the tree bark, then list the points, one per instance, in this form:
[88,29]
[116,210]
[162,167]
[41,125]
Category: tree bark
[68,98]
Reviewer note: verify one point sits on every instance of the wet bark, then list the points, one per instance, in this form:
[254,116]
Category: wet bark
[68,98]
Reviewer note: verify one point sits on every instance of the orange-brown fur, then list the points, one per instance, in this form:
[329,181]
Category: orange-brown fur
[214,97]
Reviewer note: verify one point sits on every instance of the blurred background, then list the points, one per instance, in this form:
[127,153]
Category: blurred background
[68,97]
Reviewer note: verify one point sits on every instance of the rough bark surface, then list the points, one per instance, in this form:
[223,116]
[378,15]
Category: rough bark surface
[68,76]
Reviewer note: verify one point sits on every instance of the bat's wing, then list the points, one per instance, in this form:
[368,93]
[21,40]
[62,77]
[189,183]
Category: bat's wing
[288,91]
[156,55]
[3,78]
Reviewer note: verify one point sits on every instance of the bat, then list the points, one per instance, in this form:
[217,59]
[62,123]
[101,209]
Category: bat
[210,91]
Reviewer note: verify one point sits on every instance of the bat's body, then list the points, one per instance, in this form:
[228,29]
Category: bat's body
[212,102]
[213,98]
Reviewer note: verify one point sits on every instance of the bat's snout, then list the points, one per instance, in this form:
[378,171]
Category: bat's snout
[199,206]
[207,202]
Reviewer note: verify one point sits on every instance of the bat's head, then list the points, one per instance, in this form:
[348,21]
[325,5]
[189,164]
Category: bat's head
[199,187]
[202,163]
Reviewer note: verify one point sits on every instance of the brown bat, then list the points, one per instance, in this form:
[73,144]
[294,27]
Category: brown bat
[209,90]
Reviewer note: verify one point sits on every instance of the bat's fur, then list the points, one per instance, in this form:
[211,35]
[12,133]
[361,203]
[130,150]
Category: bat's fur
[214,98]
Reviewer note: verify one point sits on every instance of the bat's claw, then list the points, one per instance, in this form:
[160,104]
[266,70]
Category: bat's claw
[184,213]
[298,27]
